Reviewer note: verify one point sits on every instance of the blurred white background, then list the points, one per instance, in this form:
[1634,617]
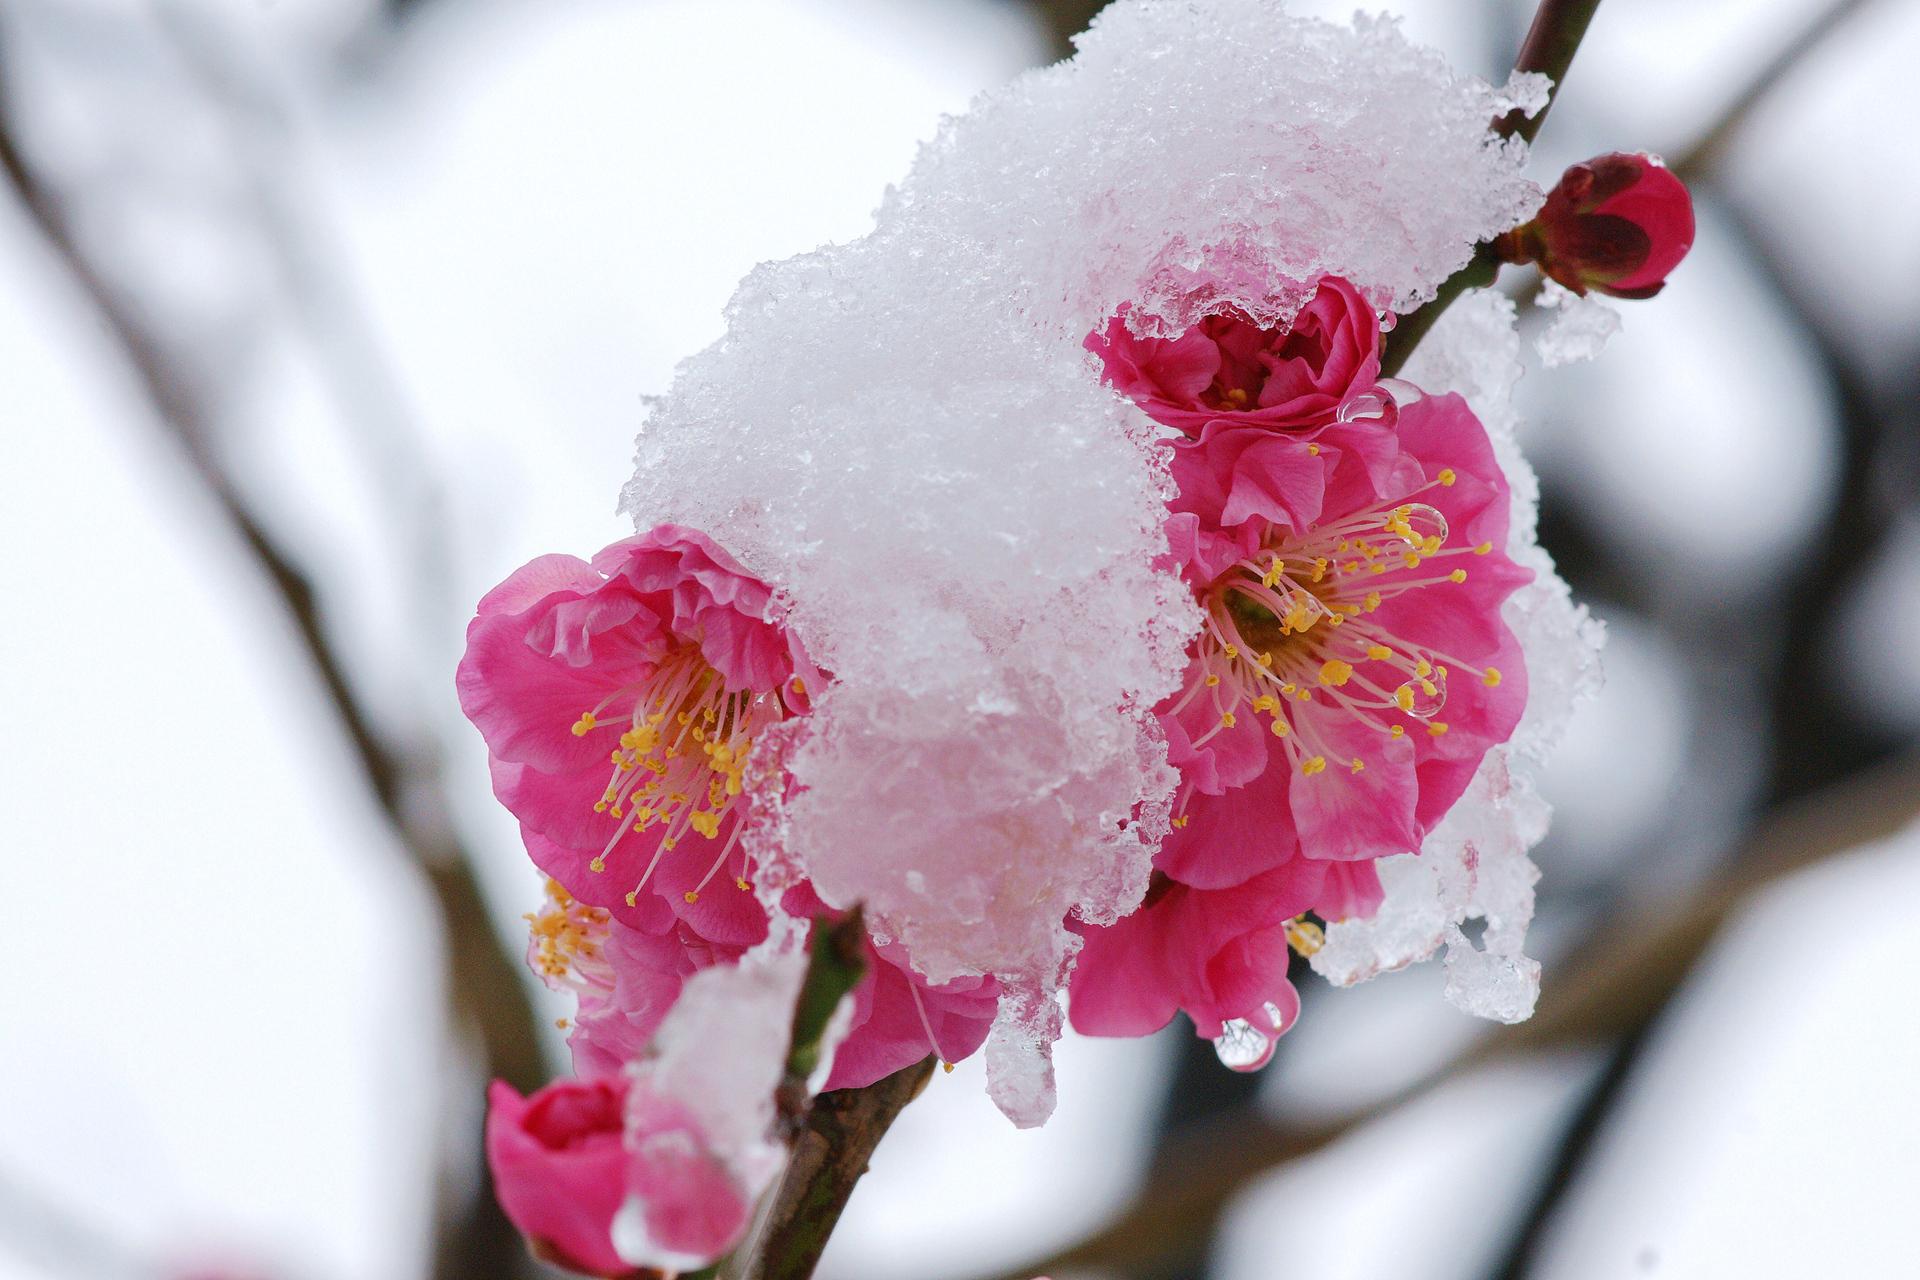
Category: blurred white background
[411,269]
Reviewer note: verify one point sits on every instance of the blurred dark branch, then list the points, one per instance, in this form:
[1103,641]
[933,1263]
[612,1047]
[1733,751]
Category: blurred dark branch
[1066,19]
[484,987]
[1558,28]
[1609,990]
[1706,153]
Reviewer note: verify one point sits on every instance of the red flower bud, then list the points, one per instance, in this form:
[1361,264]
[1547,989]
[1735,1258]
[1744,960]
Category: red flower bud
[1617,223]
[559,1168]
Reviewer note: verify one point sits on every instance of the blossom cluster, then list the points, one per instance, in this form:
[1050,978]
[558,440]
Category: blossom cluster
[1053,577]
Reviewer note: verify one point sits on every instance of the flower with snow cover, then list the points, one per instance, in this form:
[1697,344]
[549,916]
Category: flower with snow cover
[1231,368]
[620,699]
[1351,565]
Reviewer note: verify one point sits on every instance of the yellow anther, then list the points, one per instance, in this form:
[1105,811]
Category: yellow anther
[1429,688]
[1411,559]
[1379,652]
[1281,728]
[1181,821]
[1212,680]
[797,685]
[1373,601]
[1458,575]
[1312,765]
[1266,702]
[584,725]
[1334,671]
[690,896]
[1446,477]
[1492,678]
[1266,660]
[1319,568]
[597,865]
[1397,731]
[740,883]
[1403,697]
[1313,451]
[599,806]
[1431,546]
[947,1067]
[1483,548]
[1305,936]
[1437,728]
[1226,720]
[1377,567]
[1357,765]
[1423,668]
[1231,651]
[633,897]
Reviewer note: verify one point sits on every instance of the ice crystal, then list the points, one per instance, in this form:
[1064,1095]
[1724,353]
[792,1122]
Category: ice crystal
[903,435]
[1580,329]
[1475,863]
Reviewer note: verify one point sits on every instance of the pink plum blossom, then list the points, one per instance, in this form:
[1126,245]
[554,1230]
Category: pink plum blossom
[1228,368]
[619,700]
[559,1164]
[1352,671]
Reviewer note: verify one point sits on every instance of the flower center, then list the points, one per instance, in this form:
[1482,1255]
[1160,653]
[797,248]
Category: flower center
[1292,625]
[564,943]
[684,738]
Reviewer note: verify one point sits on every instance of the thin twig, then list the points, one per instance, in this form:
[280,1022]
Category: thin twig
[1552,40]
[484,986]
[830,1156]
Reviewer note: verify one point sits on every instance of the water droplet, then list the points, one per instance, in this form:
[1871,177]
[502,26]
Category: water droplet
[1240,1047]
[1426,695]
[1403,392]
[1427,523]
[1368,406]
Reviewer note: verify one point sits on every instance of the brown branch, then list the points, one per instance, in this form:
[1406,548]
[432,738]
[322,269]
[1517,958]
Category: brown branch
[484,986]
[1552,40]
[830,1156]
[1609,989]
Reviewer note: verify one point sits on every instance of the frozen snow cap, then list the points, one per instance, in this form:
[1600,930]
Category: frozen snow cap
[903,435]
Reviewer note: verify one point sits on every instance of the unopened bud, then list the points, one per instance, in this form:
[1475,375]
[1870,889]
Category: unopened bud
[1616,224]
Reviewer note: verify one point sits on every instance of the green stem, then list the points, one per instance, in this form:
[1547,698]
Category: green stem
[1552,40]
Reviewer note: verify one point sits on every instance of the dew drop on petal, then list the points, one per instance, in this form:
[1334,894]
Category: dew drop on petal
[1403,392]
[1242,1047]
[1424,697]
[1426,523]
[1368,406]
